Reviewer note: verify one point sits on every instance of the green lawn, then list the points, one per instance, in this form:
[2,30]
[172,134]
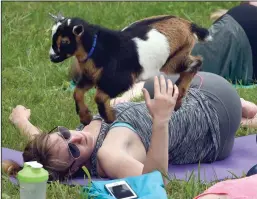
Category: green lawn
[30,79]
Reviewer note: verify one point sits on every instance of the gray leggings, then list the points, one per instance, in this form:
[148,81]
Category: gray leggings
[225,99]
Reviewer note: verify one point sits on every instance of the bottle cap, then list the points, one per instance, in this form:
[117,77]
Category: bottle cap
[33,172]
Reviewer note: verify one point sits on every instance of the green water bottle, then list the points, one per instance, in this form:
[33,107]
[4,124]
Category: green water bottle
[33,180]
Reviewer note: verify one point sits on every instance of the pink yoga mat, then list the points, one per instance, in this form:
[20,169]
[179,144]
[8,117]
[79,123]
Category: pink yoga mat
[242,158]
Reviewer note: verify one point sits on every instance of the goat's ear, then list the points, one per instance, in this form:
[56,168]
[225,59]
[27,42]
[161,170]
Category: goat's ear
[78,30]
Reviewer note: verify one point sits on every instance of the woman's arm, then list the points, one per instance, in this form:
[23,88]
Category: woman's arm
[118,164]
[160,108]
[20,118]
[157,156]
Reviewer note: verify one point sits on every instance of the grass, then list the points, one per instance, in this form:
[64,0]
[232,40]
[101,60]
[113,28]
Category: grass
[30,79]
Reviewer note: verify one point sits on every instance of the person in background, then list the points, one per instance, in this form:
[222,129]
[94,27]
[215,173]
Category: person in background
[232,53]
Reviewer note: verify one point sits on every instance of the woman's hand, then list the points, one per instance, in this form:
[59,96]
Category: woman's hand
[19,114]
[165,97]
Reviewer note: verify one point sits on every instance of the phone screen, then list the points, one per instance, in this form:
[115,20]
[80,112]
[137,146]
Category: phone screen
[121,191]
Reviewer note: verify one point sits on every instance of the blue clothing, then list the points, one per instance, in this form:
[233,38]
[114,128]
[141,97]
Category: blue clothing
[122,124]
[146,186]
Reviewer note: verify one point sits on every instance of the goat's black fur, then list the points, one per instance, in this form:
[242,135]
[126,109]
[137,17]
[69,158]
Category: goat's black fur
[201,33]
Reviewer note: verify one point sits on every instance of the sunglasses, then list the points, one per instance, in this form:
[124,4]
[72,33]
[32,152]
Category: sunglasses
[66,135]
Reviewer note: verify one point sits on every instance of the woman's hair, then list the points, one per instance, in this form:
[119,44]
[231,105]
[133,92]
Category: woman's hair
[39,149]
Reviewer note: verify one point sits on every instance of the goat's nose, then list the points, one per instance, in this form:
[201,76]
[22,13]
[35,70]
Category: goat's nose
[57,58]
[53,57]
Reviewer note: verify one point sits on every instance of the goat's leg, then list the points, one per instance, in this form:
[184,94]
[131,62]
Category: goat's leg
[81,108]
[183,83]
[193,65]
[104,108]
[187,66]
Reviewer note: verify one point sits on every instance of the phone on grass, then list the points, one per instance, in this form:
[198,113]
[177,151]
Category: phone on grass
[120,190]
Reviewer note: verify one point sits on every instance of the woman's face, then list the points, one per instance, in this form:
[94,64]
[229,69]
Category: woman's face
[84,141]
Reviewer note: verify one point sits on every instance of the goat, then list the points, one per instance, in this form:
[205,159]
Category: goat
[113,60]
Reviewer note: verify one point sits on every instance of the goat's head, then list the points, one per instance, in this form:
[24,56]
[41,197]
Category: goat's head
[66,34]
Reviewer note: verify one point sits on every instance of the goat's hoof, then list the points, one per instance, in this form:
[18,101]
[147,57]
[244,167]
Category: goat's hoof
[108,121]
[178,103]
[110,118]
[195,66]
[85,118]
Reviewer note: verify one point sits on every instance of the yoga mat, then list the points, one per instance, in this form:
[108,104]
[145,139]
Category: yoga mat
[242,158]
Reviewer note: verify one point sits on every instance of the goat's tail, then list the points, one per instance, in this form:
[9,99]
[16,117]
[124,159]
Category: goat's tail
[217,14]
[201,34]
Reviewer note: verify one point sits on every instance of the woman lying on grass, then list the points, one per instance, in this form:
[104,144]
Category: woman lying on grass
[232,53]
[146,135]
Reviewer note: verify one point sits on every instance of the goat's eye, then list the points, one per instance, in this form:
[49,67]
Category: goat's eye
[65,42]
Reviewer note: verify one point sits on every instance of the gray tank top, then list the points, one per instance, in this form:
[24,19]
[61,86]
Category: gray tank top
[193,130]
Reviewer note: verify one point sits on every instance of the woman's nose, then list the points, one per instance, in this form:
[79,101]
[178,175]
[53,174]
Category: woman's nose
[76,139]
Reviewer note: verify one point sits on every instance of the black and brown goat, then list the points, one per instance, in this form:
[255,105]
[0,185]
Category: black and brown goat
[112,61]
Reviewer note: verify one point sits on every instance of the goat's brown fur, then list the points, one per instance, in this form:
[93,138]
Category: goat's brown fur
[59,41]
[83,111]
[75,71]
[183,83]
[88,70]
[182,42]
[80,52]
[103,102]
